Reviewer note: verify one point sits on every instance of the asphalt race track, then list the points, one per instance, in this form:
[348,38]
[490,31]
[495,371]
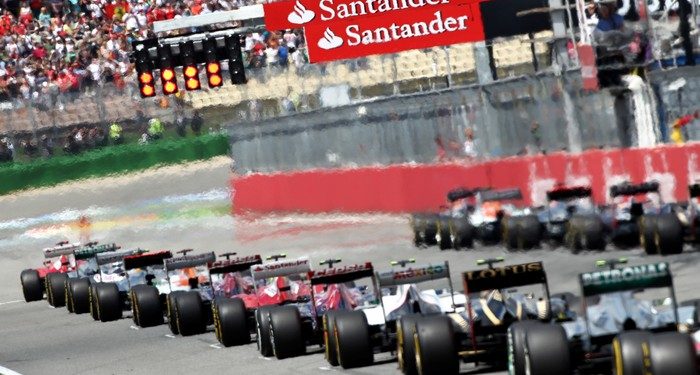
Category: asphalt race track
[189,209]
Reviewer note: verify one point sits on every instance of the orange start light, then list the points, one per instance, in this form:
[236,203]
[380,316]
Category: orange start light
[213,68]
[167,74]
[191,72]
[169,88]
[147,91]
[146,78]
[192,84]
[215,81]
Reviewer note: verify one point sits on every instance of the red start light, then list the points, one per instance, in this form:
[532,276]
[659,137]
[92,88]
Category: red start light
[213,68]
[147,91]
[191,72]
[146,78]
[169,88]
[192,84]
[215,81]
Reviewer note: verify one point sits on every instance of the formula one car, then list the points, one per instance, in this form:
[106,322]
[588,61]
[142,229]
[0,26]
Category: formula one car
[148,287]
[497,297]
[621,329]
[111,280]
[353,337]
[498,220]
[299,323]
[76,286]
[635,219]
[440,228]
[238,313]
[50,277]
[571,218]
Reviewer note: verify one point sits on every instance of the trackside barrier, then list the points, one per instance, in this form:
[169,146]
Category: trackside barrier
[408,188]
[112,160]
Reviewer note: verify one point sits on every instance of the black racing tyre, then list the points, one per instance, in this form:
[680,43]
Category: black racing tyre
[647,231]
[424,229]
[190,316]
[434,343]
[405,347]
[78,295]
[352,337]
[262,323]
[530,232]
[286,334]
[461,233]
[67,292]
[672,353]
[329,344]
[108,302]
[31,285]
[544,342]
[416,226]
[669,234]
[517,332]
[146,307]
[585,233]
[695,303]
[171,310]
[55,290]
[92,300]
[629,358]
[442,236]
[230,321]
[510,232]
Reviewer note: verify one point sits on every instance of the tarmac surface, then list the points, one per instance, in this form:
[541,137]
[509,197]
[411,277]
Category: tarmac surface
[189,208]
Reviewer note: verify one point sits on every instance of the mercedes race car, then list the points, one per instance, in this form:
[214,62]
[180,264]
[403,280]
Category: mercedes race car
[639,216]
[354,336]
[496,298]
[572,218]
[629,325]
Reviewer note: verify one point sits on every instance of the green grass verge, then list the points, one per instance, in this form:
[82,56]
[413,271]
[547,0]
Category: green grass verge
[108,161]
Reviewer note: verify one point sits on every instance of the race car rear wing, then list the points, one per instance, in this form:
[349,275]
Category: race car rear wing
[629,278]
[341,275]
[504,277]
[281,268]
[413,275]
[188,261]
[92,251]
[459,193]
[62,249]
[116,256]
[627,189]
[146,260]
[694,190]
[501,195]
[234,265]
[572,192]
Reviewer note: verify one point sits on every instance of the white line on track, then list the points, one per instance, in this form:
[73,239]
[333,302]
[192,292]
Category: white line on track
[9,302]
[7,371]
[215,346]
[170,336]
[135,328]
[326,368]
[265,358]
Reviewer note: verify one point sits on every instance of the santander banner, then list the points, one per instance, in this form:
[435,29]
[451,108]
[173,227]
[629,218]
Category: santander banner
[343,29]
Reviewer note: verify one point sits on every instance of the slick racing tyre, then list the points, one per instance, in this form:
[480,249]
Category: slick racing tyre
[171,310]
[522,232]
[544,342]
[69,299]
[329,344]
[108,302]
[55,290]
[585,233]
[92,298]
[353,341]
[669,234]
[672,353]
[516,346]
[405,348]
[424,229]
[461,233]
[189,313]
[262,323]
[146,307]
[230,321]
[286,334]
[31,285]
[78,295]
[436,352]
[629,355]
[647,234]
[443,237]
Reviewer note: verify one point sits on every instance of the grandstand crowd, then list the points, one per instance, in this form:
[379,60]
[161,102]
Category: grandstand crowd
[59,46]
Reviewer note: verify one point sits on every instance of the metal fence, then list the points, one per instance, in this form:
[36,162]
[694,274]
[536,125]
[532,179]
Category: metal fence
[541,113]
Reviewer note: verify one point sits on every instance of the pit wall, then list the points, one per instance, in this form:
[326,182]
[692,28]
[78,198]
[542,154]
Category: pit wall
[410,188]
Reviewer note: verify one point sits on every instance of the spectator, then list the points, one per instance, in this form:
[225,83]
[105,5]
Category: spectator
[115,134]
[180,126]
[46,145]
[469,147]
[196,123]
[155,129]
